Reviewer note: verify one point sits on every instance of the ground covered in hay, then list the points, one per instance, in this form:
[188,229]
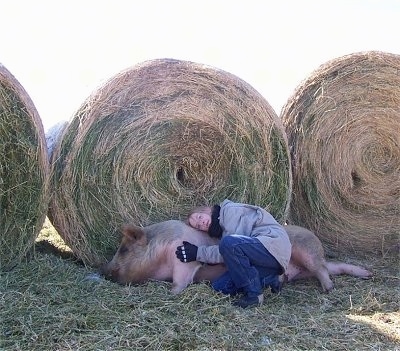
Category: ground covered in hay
[53,302]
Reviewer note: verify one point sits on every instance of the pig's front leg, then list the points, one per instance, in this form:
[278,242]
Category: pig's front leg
[183,275]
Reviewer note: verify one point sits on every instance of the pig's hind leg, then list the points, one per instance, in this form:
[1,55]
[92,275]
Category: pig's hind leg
[321,273]
[337,268]
[183,275]
[312,265]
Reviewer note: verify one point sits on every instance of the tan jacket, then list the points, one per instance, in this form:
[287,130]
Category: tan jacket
[253,221]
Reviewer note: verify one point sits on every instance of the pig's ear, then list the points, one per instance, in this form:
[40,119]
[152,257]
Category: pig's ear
[134,233]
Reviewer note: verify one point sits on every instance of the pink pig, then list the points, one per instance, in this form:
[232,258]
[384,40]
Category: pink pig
[308,260]
[148,253]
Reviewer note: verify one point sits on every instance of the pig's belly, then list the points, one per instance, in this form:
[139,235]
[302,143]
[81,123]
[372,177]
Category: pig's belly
[186,271]
[163,272]
[293,271]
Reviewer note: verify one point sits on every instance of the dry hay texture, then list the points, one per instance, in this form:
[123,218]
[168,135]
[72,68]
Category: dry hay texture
[158,139]
[24,172]
[343,127]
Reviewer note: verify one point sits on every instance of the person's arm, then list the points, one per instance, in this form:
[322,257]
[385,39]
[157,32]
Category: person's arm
[187,252]
[209,254]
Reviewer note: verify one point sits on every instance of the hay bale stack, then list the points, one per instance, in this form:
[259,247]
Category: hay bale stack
[343,126]
[24,171]
[158,139]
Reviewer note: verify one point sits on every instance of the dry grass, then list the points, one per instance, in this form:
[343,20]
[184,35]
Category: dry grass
[343,127]
[24,171]
[155,141]
[54,303]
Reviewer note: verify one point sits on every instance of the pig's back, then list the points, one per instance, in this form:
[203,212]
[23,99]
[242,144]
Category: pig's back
[304,239]
[164,233]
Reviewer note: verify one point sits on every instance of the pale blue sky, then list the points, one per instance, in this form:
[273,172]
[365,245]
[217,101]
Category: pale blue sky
[60,51]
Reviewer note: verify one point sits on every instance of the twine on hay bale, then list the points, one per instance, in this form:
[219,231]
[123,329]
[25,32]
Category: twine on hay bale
[343,127]
[158,139]
[24,171]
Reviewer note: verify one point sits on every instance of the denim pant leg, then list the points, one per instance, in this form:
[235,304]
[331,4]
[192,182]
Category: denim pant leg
[245,258]
[224,284]
[271,281]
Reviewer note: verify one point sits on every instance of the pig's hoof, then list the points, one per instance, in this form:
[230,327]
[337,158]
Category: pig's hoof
[367,274]
[177,290]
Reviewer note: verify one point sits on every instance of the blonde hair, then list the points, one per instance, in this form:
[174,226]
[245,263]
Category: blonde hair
[198,209]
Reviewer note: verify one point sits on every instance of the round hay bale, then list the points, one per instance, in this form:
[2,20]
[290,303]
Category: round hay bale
[156,140]
[24,172]
[343,126]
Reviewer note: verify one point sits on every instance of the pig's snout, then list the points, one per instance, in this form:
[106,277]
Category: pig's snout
[110,273]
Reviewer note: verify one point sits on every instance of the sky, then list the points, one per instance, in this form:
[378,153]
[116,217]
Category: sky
[61,51]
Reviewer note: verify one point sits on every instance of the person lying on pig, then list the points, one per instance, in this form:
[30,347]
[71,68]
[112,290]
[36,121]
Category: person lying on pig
[254,247]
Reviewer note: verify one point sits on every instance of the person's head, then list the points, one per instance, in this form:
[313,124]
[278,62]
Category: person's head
[200,218]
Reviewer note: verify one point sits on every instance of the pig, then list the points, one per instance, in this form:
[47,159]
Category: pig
[148,253]
[308,260]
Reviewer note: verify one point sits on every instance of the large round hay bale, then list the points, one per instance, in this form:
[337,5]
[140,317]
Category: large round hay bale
[156,140]
[343,126]
[24,171]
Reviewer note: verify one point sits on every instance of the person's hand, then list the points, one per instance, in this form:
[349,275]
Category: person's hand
[186,252]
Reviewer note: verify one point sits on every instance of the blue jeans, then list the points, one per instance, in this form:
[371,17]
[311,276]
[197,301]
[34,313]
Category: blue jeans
[250,266]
